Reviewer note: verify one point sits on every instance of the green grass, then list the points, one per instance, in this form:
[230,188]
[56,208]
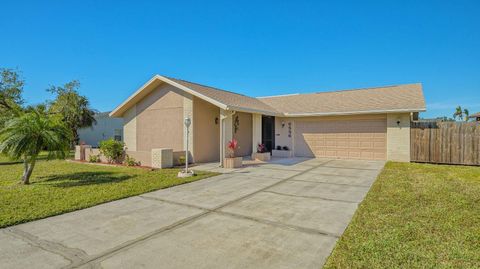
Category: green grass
[59,186]
[415,216]
[4,159]
[42,156]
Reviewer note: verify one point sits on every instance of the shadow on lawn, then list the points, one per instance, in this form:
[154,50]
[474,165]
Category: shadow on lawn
[83,178]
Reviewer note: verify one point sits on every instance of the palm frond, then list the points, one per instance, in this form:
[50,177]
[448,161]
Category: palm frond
[29,134]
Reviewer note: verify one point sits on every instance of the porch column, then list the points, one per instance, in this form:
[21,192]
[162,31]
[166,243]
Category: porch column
[226,131]
[256,131]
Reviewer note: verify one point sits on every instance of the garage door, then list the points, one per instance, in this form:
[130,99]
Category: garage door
[344,138]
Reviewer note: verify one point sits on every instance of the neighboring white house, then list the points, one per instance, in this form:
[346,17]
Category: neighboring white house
[105,128]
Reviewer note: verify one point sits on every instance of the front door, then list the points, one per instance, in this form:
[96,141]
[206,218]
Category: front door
[268,132]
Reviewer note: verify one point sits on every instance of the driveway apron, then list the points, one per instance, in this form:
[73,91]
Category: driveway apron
[282,214]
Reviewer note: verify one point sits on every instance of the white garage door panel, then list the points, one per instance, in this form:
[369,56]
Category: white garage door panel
[347,139]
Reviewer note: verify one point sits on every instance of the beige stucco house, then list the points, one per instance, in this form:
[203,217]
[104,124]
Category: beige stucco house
[372,124]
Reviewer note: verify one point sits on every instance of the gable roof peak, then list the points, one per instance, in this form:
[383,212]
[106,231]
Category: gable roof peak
[202,85]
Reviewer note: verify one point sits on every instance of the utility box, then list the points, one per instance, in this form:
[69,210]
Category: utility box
[162,158]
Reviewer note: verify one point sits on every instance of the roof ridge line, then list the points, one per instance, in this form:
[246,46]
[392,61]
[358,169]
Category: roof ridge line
[369,88]
[280,95]
[341,90]
[203,85]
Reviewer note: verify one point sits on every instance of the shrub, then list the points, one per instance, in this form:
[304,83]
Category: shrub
[279,147]
[94,158]
[181,160]
[285,148]
[130,161]
[112,149]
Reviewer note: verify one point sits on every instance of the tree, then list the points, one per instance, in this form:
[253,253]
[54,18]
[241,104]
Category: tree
[11,88]
[25,136]
[466,113]
[73,107]
[461,114]
[458,113]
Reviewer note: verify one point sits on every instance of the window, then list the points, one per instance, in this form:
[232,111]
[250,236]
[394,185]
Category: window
[118,134]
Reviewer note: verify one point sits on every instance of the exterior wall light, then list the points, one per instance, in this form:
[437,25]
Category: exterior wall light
[187,122]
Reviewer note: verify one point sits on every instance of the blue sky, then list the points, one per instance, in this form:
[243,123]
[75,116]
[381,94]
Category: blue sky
[256,48]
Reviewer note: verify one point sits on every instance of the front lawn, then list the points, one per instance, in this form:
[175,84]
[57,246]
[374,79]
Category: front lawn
[415,216]
[42,156]
[4,159]
[59,186]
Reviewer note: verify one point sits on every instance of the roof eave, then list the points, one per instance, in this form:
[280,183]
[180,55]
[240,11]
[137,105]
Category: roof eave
[120,109]
[123,107]
[254,111]
[194,93]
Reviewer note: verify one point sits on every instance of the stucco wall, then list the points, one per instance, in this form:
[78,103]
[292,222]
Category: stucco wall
[206,132]
[243,134]
[130,128]
[159,121]
[281,133]
[144,157]
[398,137]
[94,152]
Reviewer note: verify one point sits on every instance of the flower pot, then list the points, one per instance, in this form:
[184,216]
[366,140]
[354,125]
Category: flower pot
[234,162]
[264,156]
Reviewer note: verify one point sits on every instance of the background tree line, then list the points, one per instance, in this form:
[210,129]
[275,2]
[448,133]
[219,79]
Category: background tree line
[52,126]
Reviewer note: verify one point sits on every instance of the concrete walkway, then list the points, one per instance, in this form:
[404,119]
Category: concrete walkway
[284,214]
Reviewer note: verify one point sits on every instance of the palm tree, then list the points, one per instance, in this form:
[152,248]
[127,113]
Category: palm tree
[24,137]
[458,113]
[466,113]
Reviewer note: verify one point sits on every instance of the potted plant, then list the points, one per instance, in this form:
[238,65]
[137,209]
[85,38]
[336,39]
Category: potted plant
[231,161]
[282,152]
[261,154]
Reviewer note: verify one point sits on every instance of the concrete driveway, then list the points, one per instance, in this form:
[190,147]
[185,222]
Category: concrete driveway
[284,214]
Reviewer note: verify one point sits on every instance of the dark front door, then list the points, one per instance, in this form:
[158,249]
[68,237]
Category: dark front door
[268,132]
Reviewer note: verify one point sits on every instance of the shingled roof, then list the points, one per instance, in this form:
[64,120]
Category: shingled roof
[407,97]
[232,100]
[400,98]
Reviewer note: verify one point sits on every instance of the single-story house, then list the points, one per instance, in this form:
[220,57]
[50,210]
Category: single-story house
[105,128]
[371,124]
